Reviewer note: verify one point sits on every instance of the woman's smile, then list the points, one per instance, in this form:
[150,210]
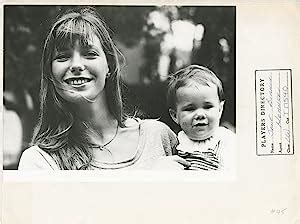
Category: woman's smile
[77,81]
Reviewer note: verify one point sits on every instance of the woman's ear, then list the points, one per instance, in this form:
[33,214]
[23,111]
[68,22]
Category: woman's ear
[172,113]
[108,72]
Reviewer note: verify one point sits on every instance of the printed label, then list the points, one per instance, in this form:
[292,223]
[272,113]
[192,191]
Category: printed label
[274,116]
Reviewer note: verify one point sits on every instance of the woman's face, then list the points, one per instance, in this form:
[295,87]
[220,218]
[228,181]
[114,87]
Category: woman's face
[80,71]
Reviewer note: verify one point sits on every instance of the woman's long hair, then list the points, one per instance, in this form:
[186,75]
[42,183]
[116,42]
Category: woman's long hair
[58,131]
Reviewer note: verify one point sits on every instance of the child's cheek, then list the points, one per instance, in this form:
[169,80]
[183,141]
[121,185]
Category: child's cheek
[185,124]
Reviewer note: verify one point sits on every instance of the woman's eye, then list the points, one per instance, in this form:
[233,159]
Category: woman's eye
[91,54]
[61,57]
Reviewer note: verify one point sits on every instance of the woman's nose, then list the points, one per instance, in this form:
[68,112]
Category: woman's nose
[77,65]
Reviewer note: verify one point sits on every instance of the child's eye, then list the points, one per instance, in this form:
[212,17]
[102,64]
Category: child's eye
[209,106]
[188,109]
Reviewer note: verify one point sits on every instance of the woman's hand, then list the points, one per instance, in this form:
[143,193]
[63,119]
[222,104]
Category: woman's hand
[170,163]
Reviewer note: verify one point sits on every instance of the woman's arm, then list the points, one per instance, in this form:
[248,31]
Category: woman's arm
[171,161]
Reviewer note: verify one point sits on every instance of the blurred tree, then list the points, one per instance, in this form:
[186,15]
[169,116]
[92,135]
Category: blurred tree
[126,23]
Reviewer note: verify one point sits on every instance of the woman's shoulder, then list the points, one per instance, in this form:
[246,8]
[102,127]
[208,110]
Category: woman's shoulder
[154,127]
[34,158]
[146,123]
[154,124]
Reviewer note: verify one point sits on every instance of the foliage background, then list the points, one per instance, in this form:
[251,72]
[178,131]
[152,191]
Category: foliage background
[25,28]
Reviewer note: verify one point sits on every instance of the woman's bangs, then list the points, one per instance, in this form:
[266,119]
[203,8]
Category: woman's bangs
[67,34]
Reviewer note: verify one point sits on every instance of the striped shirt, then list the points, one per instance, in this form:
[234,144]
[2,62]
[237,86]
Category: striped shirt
[207,154]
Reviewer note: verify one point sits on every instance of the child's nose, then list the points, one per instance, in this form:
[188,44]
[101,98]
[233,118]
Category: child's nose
[199,114]
[77,63]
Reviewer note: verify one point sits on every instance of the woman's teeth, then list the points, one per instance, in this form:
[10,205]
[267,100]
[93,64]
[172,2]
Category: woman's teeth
[77,81]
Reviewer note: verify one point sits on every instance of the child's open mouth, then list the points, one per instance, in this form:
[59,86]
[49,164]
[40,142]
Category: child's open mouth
[200,124]
[77,81]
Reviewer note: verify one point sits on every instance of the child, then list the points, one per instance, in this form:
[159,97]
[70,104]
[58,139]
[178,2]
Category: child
[196,100]
[82,124]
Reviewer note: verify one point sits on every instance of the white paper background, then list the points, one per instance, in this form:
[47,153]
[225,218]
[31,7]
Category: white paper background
[268,37]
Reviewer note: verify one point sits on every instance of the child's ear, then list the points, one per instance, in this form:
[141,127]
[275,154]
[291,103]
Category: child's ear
[172,113]
[221,108]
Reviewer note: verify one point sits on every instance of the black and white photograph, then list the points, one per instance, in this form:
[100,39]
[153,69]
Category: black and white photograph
[150,112]
[119,87]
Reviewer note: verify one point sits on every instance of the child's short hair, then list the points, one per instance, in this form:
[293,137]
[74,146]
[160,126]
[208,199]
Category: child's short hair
[196,73]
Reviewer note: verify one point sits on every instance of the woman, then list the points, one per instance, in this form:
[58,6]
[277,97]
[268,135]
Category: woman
[82,124]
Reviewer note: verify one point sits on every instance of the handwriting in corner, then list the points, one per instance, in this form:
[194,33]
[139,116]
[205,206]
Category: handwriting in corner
[278,211]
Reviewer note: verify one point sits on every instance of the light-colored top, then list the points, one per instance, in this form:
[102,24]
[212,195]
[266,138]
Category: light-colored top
[155,139]
[215,153]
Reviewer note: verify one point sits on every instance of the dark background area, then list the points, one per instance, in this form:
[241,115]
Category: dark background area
[25,28]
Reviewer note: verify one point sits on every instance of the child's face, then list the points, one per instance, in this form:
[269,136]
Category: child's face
[198,110]
[81,70]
